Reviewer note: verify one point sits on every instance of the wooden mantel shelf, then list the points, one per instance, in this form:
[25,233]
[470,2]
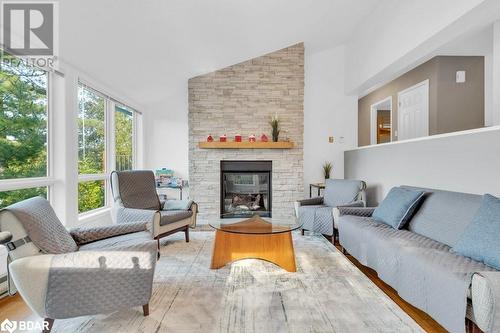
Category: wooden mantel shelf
[246,145]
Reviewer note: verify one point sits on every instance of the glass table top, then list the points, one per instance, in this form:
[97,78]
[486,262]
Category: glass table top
[256,225]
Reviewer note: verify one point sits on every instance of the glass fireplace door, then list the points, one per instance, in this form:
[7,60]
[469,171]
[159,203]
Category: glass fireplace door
[246,193]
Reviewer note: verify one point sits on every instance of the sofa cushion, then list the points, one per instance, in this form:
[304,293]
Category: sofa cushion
[42,226]
[481,239]
[444,215]
[398,207]
[317,218]
[171,216]
[378,245]
[437,281]
[341,191]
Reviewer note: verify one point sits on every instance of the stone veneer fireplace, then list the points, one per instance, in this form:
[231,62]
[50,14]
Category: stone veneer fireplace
[240,99]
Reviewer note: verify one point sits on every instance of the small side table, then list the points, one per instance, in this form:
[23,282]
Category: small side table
[319,186]
[178,187]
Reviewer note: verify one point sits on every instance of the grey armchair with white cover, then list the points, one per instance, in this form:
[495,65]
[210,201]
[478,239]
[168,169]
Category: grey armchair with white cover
[136,200]
[319,214]
[86,271]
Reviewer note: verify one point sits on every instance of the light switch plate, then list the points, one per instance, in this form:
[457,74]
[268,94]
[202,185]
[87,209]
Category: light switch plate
[330,139]
[460,78]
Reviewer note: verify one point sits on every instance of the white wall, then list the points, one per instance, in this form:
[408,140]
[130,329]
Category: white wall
[166,140]
[327,112]
[399,33]
[464,162]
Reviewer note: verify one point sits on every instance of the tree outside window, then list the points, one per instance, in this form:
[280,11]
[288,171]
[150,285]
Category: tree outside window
[23,126]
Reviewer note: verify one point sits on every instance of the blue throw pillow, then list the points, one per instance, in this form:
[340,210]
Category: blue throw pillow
[481,239]
[398,207]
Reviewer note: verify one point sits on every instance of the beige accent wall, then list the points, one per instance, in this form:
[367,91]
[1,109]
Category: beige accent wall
[452,106]
[241,99]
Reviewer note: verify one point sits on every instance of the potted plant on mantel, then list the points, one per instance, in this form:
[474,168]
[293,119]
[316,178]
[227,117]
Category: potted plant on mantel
[327,168]
[275,125]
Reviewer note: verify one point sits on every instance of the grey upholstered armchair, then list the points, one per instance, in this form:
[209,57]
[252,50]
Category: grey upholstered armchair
[318,214]
[135,199]
[86,271]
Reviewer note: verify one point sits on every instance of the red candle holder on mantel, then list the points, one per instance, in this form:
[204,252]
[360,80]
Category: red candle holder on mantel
[237,138]
[223,138]
[264,138]
[251,138]
[210,138]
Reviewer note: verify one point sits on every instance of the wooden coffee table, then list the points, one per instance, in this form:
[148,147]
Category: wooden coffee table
[255,238]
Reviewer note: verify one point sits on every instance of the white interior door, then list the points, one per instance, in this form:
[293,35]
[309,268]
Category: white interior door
[413,111]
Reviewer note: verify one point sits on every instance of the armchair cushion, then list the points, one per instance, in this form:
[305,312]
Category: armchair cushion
[342,191]
[88,235]
[137,189]
[177,204]
[171,216]
[42,226]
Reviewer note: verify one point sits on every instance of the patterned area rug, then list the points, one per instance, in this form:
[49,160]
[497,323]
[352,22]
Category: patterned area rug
[326,294]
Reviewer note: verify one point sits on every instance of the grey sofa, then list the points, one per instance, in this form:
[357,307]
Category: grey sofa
[136,200]
[419,264]
[317,214]
[87,271]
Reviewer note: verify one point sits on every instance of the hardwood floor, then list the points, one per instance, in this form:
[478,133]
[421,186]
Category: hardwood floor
[15,308]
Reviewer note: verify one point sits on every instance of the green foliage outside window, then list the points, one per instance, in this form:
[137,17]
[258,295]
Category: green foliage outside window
[124,121]
[91,148]
[90,195]
[23,126]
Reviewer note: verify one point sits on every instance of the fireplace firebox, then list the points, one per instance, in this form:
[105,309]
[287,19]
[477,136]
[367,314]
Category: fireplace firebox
[245,188]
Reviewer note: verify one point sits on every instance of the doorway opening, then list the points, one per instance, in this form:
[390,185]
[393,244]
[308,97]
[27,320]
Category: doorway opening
[381,121]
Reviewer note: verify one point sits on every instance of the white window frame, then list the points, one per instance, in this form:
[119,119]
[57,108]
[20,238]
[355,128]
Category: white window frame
[34,182]
[109,146]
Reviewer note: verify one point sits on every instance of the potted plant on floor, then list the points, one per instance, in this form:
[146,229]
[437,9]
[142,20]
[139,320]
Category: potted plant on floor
[327,168]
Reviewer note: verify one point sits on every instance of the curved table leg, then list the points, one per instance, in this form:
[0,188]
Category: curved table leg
[275,248]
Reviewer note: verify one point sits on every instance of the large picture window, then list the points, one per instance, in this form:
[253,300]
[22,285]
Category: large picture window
[124,138]
[23,130]
[105,143]
[91,132]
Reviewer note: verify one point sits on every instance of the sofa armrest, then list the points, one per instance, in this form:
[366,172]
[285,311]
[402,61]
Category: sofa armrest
[485,294]
[88,235]
[356,211]
[86,282]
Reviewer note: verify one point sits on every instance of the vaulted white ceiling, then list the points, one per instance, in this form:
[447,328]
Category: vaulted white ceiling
[146,49]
